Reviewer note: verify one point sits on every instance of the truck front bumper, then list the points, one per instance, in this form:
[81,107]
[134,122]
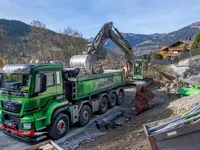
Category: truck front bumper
[21,134]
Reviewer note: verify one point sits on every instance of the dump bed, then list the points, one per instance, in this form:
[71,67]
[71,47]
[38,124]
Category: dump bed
[87,85]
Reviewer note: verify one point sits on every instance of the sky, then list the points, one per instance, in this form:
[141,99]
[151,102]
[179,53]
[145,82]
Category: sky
[87,16]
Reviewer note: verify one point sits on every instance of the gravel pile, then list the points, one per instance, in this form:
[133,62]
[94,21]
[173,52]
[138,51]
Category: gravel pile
[182,105]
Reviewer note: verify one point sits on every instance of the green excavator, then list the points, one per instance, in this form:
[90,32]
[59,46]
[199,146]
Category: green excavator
[135,69]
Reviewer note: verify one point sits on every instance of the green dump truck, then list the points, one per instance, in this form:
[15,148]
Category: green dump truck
[40,100]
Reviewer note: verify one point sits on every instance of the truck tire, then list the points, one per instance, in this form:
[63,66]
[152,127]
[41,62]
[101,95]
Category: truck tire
[85,115]
[59,127]
[120,98]
[113,100]
[103,105]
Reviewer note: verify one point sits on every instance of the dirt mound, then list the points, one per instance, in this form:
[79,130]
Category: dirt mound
[182,105]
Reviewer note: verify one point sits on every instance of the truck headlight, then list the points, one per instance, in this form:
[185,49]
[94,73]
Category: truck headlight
[27,125]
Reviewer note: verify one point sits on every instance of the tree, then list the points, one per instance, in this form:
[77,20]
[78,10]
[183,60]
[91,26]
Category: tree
[157,56]
[144,56]
[196,42]
[4,46]
[185,49]
[48,45]
[3,35]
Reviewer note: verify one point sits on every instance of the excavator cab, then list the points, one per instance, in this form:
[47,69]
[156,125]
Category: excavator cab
[140,69]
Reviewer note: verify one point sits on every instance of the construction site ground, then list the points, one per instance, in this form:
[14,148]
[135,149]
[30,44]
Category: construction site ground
[129,136]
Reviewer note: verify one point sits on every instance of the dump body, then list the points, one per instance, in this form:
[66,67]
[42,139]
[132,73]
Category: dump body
[92,84]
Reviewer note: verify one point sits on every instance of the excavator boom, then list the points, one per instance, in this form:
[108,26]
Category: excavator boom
[108,31]
[135,69]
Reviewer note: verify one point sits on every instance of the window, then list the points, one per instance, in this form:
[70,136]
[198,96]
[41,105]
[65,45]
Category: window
[37,83]
[53,78]
[16,82]
[58,77]
[50,78]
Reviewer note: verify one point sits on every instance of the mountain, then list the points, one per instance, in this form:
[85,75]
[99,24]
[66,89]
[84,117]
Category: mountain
[140,42]
[145,43]
[15,28]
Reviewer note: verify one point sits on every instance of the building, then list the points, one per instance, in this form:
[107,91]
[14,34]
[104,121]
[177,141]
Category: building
[175,49]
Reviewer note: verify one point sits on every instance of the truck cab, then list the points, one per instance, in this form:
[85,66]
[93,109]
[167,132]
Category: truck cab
[27,94]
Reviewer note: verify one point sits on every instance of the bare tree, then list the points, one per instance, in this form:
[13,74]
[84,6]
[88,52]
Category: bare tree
[39,39]
[3,40]
[49,45]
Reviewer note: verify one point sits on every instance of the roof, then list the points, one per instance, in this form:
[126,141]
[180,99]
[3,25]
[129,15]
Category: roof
[182,41]
[26,68]
[186,41]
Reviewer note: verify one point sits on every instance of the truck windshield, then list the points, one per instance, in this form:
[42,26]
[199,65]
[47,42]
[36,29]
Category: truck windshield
[138,68]
[16,83]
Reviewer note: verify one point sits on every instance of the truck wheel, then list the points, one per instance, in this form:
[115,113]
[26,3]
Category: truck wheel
[120,98]
[85,115]
[59,127]
[103,106]
[113,100]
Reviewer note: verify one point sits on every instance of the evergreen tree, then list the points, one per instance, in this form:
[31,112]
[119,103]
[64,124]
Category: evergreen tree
[196,42]
[157,56]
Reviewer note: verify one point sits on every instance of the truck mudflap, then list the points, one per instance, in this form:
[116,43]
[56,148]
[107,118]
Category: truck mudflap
[30,136]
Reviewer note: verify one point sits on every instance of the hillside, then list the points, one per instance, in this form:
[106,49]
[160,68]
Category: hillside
[140,42]
[143,42]
[20,42]
[15,28]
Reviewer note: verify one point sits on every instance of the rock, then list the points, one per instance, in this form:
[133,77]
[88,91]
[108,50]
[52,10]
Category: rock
[141,131]
[167,84]
[171,85]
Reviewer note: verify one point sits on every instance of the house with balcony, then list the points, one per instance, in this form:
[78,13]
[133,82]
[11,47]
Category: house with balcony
[175,48]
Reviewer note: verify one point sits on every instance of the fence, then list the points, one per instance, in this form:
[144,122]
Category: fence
[176,59]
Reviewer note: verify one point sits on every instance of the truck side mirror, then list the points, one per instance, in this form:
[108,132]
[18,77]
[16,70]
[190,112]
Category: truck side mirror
[1,78]
[43,83]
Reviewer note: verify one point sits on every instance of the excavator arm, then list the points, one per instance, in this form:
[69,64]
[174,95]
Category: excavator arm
[108,31]
[96,48]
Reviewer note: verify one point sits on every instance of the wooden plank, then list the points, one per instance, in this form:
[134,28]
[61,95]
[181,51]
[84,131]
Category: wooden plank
[35,147]
[55,145]
[151,140]
[152,143]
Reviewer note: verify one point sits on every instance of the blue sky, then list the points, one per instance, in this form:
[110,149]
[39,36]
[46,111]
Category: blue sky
[87,16]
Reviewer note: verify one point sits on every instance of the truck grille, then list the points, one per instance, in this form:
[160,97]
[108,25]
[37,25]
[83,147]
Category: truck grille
[11,121]
[11,106]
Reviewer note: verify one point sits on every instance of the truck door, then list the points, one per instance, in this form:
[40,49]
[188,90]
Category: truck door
[54,85]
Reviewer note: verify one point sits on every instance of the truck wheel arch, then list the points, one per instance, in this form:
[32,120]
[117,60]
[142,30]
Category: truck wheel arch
[59,110]
[120,90]
[84,102]
[53,112]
